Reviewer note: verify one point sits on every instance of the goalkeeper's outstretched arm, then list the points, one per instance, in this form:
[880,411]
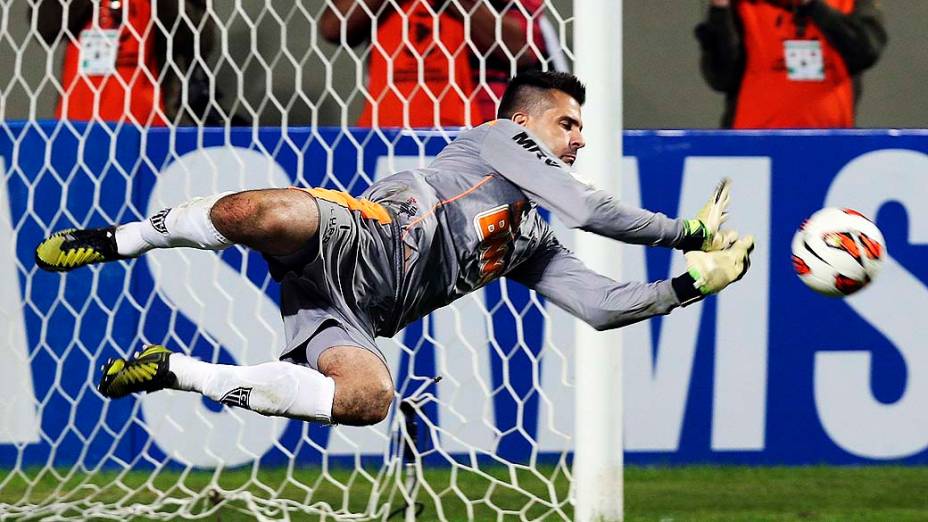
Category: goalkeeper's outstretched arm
[604,303]
[523,159]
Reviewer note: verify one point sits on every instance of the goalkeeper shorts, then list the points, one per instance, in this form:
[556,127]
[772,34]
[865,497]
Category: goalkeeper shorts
[341,285]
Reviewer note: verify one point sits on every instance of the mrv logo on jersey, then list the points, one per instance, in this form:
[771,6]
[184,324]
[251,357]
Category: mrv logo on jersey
[530,145]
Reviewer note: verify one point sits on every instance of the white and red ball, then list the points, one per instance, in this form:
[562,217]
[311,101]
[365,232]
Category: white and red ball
[838,251]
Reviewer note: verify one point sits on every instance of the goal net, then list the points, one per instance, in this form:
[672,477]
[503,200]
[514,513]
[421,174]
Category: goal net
[232,96]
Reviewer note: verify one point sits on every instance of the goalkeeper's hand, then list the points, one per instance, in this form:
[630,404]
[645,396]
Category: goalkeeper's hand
[713,271]
[702,232]
[709,272]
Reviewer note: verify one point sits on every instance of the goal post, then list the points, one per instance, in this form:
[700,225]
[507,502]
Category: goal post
[598,448]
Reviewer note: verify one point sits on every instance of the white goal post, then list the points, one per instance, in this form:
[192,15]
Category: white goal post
[598,448]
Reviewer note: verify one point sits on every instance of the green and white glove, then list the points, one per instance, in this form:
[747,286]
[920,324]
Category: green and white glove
[709,272]
[702,232]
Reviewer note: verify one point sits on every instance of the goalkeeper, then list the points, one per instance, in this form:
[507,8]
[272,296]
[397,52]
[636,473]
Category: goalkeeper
[354,269]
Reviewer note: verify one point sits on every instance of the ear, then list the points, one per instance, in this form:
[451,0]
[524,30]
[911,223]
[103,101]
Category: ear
[520,119]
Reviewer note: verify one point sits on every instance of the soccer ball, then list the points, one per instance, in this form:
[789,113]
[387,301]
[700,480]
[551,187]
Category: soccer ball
[837,251]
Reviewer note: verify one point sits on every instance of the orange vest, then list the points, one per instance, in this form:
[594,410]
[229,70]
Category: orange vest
[132,93]
[768,99]
[402,54]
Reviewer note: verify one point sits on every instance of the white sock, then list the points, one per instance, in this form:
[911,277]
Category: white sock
[186,225]
[273,388]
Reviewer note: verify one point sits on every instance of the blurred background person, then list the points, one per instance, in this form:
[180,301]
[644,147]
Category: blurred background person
[117,54]
[461,81]
[790,63]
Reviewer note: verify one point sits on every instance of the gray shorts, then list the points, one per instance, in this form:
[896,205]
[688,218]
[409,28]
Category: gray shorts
[336,289]
[329,334]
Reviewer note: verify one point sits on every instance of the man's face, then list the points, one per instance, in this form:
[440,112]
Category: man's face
[557,124]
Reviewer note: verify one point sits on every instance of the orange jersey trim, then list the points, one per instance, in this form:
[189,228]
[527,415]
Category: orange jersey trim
[445,202]
[367,208]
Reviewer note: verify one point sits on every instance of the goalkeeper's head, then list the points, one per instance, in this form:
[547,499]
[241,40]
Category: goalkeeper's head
[548,105]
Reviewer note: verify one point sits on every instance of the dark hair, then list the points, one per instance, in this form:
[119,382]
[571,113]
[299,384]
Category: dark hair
[527,89]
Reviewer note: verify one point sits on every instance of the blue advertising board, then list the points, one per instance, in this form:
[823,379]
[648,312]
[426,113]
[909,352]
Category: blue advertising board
[766,373]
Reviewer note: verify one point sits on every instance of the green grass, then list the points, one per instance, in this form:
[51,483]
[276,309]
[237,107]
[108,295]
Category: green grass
[651,494]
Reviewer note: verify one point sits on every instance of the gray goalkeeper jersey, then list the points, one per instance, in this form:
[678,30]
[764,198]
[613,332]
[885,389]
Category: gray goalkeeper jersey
[471,217]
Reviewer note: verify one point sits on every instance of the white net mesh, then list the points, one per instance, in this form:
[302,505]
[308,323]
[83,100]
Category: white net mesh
[262,100]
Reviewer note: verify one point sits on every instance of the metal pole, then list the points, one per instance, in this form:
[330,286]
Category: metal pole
[598,450]
[409,458]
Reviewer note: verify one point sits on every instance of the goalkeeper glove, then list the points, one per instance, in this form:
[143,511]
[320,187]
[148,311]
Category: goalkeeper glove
[702,233]
[709,272]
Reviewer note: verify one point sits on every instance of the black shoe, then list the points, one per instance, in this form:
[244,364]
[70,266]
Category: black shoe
[147,371]
[73,248]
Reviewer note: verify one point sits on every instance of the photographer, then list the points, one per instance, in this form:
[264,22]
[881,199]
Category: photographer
[789,63]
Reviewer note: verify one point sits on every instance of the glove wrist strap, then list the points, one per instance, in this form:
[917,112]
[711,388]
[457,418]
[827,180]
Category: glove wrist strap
[685,288]
[694,236]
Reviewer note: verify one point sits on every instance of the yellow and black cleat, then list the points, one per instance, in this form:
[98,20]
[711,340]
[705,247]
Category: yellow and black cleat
[73,248]
[147,371]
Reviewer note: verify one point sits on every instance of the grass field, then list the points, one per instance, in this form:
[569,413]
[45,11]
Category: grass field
[651,494]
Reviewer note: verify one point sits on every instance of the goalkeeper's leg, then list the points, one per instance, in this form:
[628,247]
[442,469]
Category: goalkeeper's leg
[273,221]
[352,385]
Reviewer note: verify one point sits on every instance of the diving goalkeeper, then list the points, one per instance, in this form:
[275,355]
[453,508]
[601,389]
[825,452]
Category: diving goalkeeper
[354,269]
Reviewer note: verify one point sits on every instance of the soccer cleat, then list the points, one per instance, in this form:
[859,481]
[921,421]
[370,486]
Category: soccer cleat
[73,248]
[147,371]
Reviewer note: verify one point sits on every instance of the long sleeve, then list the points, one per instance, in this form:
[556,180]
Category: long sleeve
[859,36]
[181,54]
[721,51]
[52,24]
[601,302]
[523,160]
